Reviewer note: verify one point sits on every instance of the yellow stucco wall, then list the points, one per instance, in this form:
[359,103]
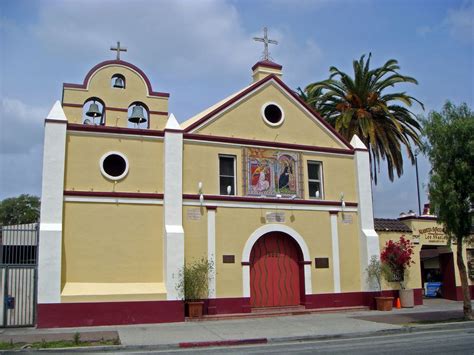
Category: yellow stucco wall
[106,243]
[201,163]
[414,275]
[245,121]
[145,157]
[100,85]
[349,252]
[234,226]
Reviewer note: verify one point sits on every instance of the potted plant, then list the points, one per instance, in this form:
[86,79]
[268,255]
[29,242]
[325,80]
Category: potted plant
[397,256]
[375,271]
[193,285]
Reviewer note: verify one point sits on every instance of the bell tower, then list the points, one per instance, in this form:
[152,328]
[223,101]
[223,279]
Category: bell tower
[115,93]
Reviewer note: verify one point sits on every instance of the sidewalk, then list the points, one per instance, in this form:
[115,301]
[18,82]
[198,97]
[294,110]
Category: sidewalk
[271,329]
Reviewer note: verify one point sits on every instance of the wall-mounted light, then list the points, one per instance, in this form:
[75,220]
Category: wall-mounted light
[343,203]
[201,195]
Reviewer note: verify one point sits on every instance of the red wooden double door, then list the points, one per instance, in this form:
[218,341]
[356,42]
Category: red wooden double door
[275,271]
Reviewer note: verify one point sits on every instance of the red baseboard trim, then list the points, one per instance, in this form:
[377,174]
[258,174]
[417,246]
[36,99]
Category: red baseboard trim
[227,305]
[57,315]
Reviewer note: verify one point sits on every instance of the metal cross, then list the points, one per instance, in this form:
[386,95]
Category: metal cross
[118,49]
[266,41]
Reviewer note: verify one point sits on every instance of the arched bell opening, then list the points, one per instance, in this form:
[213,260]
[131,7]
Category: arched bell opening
[138,115]
[93,111]
[118,81]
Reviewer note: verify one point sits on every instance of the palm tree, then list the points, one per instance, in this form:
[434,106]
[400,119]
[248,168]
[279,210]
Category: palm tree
[362,106]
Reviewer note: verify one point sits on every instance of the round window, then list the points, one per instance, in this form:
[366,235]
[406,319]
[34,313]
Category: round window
[114,165]
[273,114]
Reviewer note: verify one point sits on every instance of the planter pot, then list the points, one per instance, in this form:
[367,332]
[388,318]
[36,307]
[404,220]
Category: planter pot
[384,303]
[195,309]
[407,298]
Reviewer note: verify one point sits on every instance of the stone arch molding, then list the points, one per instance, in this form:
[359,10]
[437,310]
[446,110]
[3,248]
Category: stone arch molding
[259,233]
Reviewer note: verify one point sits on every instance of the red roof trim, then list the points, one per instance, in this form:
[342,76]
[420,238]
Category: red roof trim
[253,142]
[117,62]
[287,89]
[113,194]
[267,64]
[423,218]
[115,130]
[267,200]
[53,120]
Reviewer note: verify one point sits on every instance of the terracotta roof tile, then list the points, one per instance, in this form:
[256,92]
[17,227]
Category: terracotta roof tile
[390,225]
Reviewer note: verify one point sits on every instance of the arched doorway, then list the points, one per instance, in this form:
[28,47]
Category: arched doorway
[276,271]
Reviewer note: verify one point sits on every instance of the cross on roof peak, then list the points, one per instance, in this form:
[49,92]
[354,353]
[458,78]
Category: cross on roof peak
[266,41]
[118,49]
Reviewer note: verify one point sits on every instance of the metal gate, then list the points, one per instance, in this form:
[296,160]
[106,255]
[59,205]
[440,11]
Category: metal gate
[18,275]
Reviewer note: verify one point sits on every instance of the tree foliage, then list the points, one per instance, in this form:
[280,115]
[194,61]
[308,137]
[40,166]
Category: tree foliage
[361,105]
[449,145]
[18,210]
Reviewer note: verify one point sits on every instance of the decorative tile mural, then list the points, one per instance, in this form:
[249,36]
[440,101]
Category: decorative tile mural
[270,172]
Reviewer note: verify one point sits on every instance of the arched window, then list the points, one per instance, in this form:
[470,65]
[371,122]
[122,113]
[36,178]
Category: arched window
[138,115]
[93,111]
[118,81]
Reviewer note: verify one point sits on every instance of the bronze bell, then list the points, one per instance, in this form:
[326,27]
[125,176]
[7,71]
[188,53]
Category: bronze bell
[93,110]
[119,83]
[137,115]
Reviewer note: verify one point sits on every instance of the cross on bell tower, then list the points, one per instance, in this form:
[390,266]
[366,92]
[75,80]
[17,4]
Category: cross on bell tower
[118,49]
[266,41]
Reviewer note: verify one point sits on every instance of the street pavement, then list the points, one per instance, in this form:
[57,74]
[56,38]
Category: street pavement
[308,327]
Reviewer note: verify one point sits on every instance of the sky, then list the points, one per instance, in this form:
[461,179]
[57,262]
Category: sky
[201,51]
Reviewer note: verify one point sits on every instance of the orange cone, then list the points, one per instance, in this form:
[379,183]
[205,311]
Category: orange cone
[397,304]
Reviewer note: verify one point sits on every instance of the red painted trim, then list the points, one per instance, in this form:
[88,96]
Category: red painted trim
[171,130]
[114,194]
[360,150]
[198,344]
[227,305]
[333,212]
[422,218]
[114,130]
[116,62]
[64,104]
[211,207]
[305,262]
[267,200]
[162,113]
[267,64]
[287,89]
[54,315]
[52,120]
[117,109]
[253,142]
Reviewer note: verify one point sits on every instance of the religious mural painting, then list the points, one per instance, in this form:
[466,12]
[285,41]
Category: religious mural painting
[272,172]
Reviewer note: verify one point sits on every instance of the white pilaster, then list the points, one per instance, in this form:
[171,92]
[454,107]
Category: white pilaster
[368,238]
[173,206]
[211,249]
[50,240]
[336,268]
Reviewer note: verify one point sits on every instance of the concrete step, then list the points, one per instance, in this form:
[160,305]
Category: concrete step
[277,312]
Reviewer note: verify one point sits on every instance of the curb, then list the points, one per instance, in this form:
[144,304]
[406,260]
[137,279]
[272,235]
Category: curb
[254,341]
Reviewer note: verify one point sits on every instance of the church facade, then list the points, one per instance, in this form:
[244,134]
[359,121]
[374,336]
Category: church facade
[259,184]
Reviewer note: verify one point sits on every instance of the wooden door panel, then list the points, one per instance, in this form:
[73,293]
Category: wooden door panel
[274,271]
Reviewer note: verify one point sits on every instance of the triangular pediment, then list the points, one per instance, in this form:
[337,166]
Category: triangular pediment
[244,115]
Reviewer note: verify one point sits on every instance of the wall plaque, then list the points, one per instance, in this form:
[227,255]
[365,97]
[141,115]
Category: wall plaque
[346,218]
[272,217]
[321,263]
[228,259]
[194,214]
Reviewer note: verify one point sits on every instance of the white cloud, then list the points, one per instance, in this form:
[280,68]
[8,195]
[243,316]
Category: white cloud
[21,126]
[461,21]
[424,30]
